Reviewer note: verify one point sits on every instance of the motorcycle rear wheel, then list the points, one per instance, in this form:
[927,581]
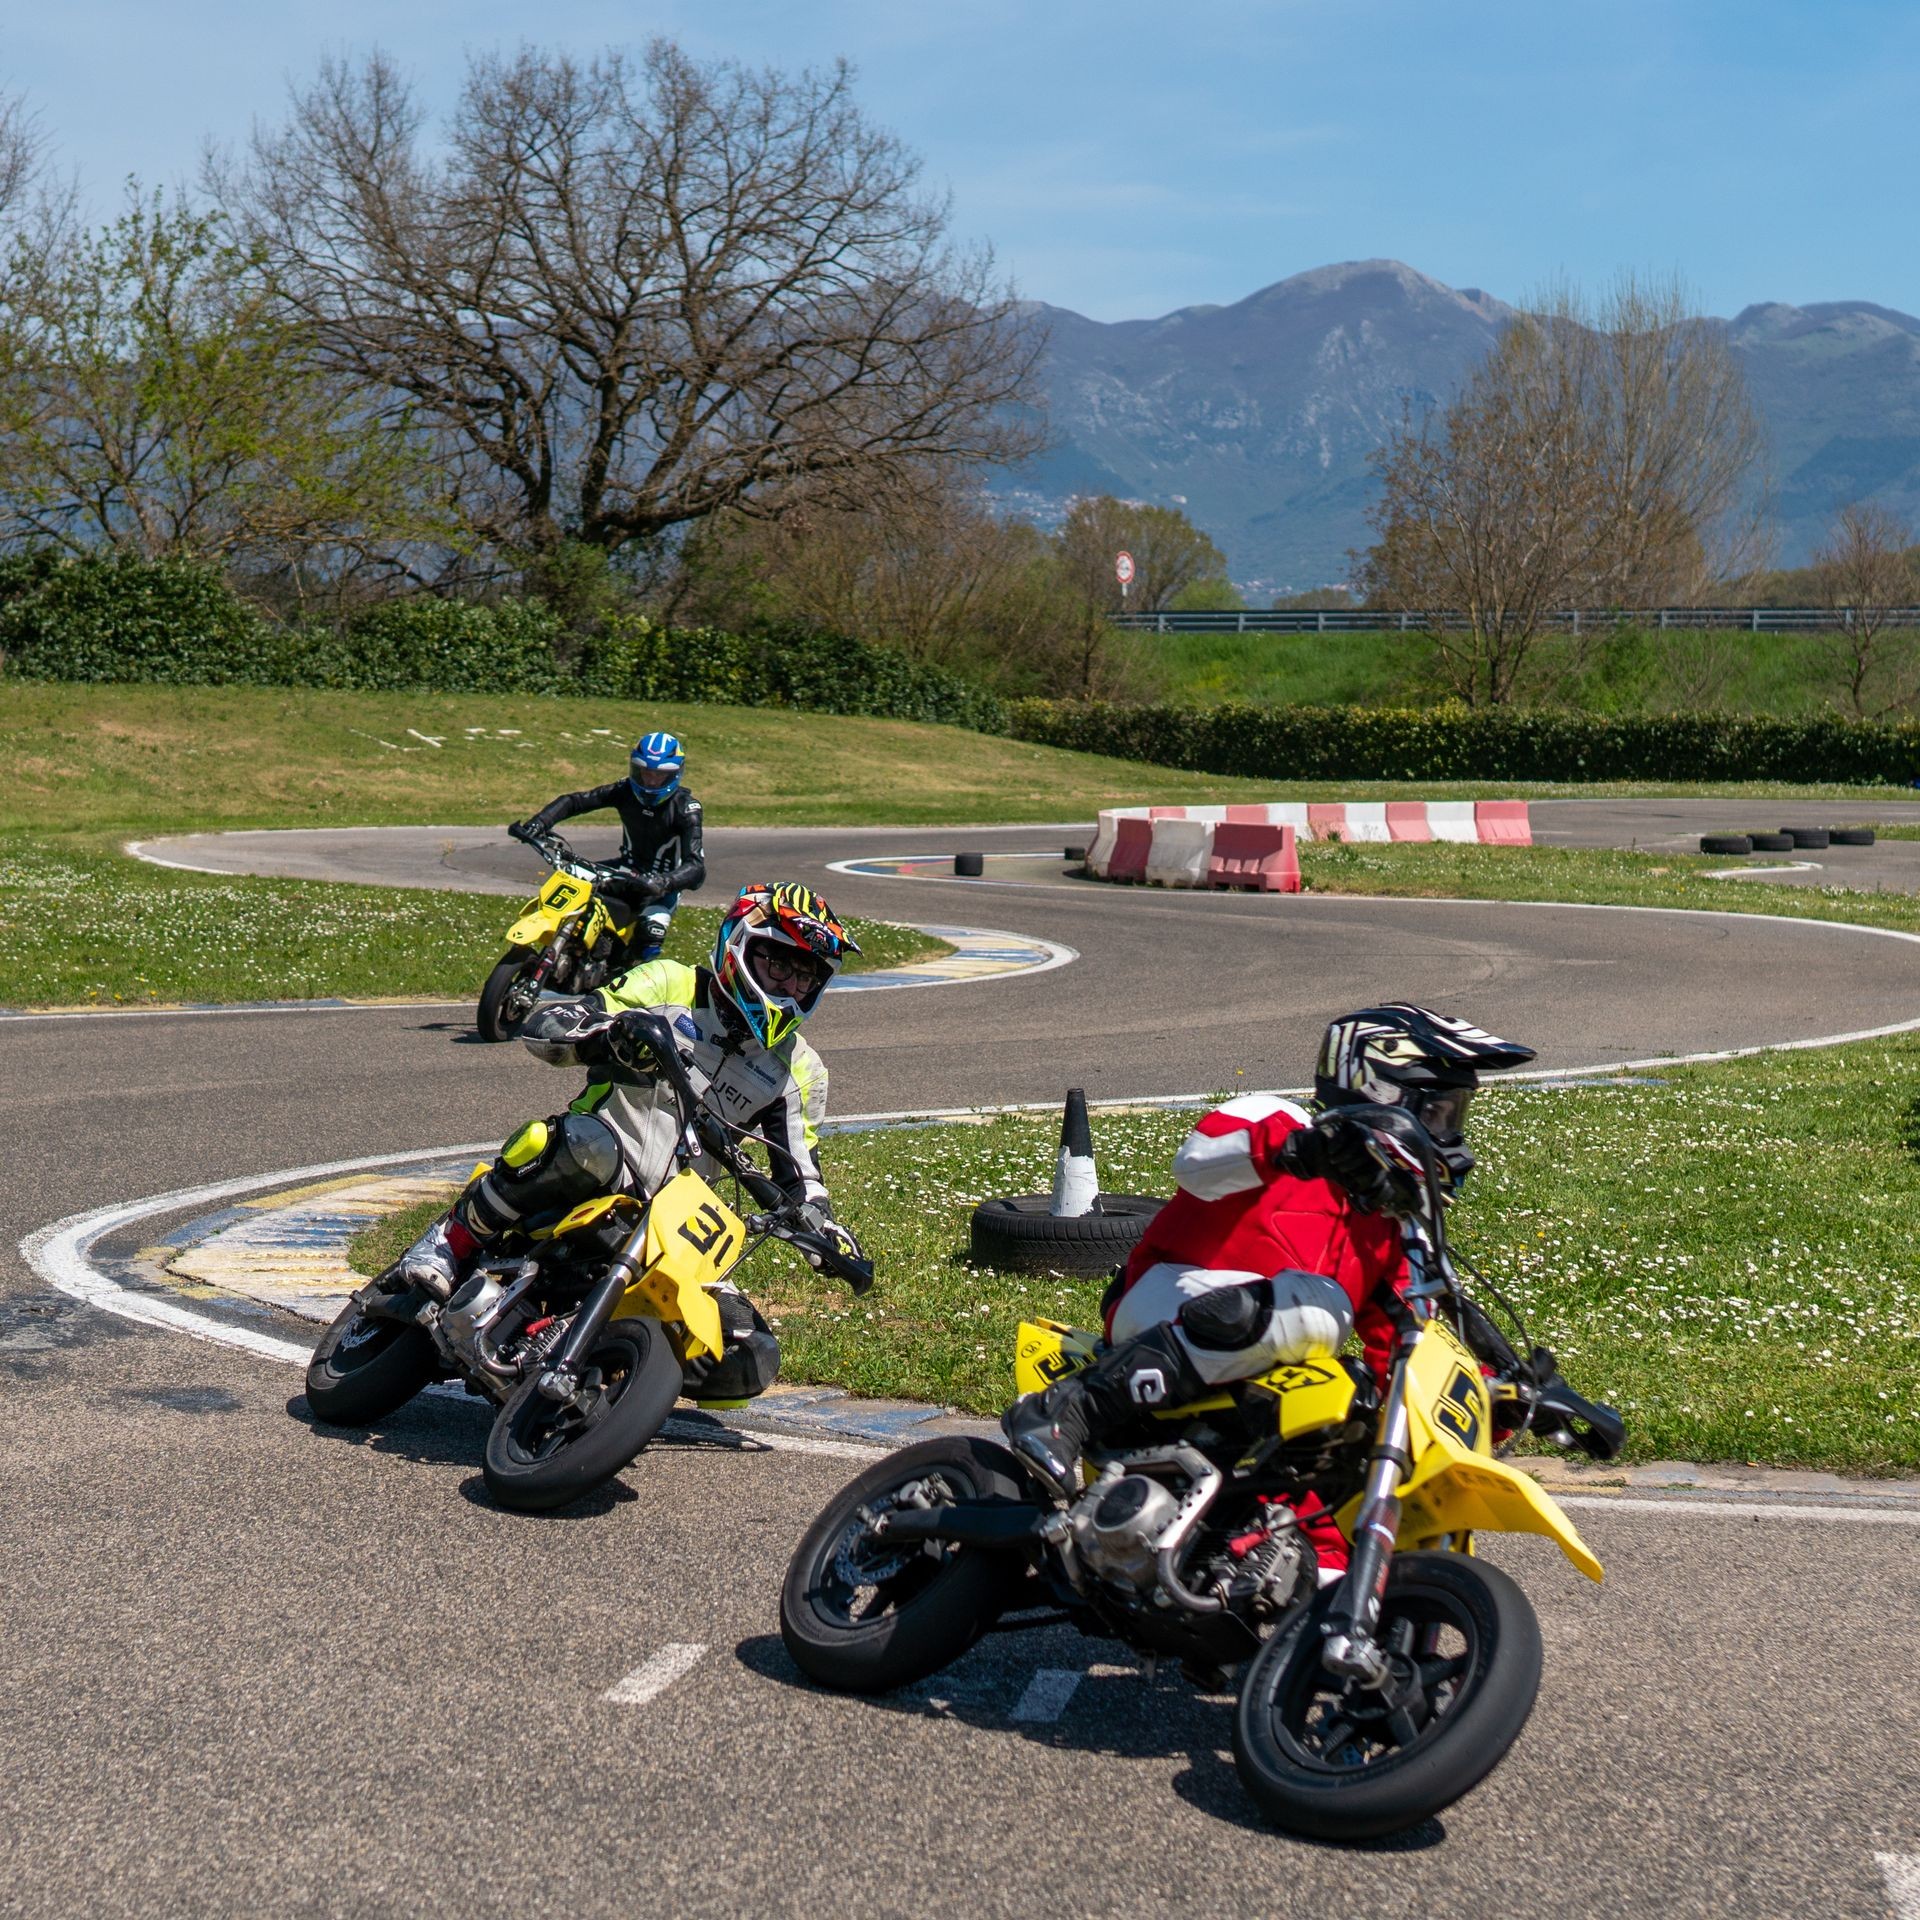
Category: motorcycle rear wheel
[363,1369]
[541,1455]
[1332,1760]
[490,1018]
[860,1616]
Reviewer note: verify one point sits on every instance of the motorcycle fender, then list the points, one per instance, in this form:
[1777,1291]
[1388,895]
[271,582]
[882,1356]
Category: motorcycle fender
[1453,1489]
[693,1239]
[1048,1350]
[533,930]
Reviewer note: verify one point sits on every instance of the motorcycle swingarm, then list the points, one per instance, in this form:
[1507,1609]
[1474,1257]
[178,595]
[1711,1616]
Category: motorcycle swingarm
[1008,1525]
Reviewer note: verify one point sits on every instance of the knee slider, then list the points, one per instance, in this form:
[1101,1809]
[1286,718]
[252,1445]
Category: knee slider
[1311,1314]
[1227,1318]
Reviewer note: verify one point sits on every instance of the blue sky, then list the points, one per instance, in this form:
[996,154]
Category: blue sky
[1125,159]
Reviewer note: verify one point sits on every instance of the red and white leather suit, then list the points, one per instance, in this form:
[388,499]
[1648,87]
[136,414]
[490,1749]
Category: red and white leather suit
[1239,1217]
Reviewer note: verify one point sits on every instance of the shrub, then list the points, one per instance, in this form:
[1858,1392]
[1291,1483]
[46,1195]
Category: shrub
[120,618]
[1453,742]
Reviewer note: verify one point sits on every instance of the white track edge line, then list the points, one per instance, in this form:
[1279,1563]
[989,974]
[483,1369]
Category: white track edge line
[1737,1509]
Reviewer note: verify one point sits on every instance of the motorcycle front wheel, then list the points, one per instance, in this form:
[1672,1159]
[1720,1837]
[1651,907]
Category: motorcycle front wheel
[363,1369]
[861,1615]
[1332,1759]
[493,1018]
[541,1455]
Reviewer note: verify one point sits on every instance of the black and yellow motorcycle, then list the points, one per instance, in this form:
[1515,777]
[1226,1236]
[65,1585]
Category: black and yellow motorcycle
[1365,1705]
[568,939]
[582,1329]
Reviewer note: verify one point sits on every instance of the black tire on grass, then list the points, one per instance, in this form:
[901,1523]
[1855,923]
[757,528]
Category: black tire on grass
[1814,838]
[1019,1235]
[1771,842]
[1852,836]
[1725,843]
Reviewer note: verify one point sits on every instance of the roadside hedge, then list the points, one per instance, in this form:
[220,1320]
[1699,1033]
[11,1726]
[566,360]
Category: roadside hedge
[178,622]
[1453,742]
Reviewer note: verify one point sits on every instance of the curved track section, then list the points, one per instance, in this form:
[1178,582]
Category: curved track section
[1180,993]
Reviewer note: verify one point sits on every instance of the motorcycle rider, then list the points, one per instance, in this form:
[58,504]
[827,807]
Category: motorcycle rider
[660,849]
[1274,1241]
[737,1023]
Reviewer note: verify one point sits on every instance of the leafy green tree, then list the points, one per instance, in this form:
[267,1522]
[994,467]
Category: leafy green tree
[153,401]
[1170,554]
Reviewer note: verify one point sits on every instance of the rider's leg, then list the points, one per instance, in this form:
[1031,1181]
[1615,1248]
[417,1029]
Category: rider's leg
[1176,1332]
[750,1363]
[545,1167]
[651,933]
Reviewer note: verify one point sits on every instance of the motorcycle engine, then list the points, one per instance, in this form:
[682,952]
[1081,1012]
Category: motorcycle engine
[1115,1525]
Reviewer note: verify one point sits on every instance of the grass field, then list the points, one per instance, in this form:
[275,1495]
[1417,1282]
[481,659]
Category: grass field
[1723,1252]
[139,760]
[1774,673]
[80,925]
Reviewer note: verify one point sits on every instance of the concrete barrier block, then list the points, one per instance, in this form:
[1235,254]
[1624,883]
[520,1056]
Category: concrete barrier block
[1132,841]
[1263,858]
[1407,820]
[1177,853]
[1503,823]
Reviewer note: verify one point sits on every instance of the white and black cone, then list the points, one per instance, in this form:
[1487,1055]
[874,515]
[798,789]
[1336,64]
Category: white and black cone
[1075,1184]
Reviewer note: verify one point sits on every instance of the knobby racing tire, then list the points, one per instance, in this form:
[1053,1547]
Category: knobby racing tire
[1019,1235]
[490,1017]
[1335,1761]
[363,1369]
[541,1455]
[860,1615]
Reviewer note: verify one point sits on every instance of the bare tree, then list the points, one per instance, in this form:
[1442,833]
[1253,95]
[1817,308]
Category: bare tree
[22,149]
[1865,569]
[154,399]
[1599,456]
[626,295]
[1169,553]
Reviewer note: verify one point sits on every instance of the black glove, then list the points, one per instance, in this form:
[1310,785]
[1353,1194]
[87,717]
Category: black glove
[523,830]
[1335,1148]
[817,1220]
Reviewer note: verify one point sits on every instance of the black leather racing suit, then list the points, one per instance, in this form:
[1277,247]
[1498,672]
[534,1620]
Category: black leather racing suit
[661,849]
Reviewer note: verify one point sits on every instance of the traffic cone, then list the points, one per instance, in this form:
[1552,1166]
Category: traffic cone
[1076,1187]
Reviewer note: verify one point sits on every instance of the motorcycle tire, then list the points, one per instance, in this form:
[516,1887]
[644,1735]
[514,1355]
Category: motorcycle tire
[489,1018]
[541,1455]
[363,1369]
[927,1604]
[1388,1770]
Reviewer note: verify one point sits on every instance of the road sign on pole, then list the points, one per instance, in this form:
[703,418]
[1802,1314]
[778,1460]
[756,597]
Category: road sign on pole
[1123,572]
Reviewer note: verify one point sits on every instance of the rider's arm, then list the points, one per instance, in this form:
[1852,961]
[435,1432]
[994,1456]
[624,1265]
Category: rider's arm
[591,800]
[791,1126]
[567,1031]
[1235,1148]
[692,870]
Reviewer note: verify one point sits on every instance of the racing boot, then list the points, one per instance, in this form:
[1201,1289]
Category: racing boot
[747,1368]
[1054,1427]
[436,1262]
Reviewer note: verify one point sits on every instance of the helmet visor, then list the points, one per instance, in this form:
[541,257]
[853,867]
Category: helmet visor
[1444,1114]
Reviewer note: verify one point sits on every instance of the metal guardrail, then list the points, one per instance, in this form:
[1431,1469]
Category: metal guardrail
[1572,620]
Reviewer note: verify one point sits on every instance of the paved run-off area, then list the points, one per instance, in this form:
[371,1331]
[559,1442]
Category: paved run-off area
[255,1666]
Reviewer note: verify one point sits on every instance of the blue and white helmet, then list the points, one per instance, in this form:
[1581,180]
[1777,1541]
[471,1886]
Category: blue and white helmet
[657,754]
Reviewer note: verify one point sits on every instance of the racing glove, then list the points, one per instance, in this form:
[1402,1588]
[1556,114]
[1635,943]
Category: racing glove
[1334,1147]
[816,1219]
[523,830]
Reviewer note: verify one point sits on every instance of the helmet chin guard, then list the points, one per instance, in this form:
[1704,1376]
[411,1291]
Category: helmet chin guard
[1400,1055]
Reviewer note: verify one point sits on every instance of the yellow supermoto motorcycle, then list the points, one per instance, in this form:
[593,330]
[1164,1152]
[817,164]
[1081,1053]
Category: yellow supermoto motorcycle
[583,1329]
[1366,1705]
[567,940]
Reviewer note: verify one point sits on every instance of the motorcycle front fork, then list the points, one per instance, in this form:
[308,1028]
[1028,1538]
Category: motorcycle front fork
[1350,1647]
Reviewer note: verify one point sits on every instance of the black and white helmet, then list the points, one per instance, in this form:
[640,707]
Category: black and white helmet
[1412,1057]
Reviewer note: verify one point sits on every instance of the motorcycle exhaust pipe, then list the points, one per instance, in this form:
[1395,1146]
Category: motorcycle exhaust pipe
[973,1524]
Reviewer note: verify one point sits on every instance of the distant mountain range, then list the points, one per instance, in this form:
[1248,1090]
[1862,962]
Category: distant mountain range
[1258,417]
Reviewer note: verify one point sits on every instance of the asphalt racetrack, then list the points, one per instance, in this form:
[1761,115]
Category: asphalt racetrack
[254,1666]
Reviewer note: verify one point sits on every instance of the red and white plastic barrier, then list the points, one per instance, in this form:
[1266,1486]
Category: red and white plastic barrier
[1175,846]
